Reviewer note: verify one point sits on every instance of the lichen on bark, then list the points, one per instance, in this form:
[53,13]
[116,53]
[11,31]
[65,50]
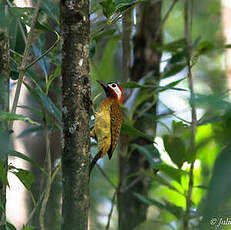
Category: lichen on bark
[75,32]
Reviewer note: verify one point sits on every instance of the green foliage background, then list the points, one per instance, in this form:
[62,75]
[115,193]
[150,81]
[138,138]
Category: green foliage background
[171,152]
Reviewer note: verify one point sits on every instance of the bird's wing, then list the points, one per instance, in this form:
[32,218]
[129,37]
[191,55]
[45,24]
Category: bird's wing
[116,121]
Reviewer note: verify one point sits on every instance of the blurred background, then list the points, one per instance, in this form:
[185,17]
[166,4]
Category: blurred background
[143,46]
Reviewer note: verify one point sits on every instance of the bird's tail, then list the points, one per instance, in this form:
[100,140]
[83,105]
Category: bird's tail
[93,162]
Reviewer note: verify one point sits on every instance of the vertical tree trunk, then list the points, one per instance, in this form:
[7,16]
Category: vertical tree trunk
[131,211]
[75,32]
[127,30]
[4,107]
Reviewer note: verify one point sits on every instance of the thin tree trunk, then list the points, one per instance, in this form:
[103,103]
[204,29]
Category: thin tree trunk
[132,212]
[75,32]
[226,18]
[4,107]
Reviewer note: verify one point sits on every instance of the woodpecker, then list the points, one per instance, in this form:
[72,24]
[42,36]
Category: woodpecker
[108,120]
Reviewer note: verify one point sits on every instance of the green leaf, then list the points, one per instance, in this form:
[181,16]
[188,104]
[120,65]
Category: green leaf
[51,9]
[28,227]
[12,116]
[134,133]
[176,63]
[150,152]
[50,106]
[16,40]
[108,8]
[157,178]
[177,211]
[173,47]
[22,156]
[172,172]
[218,196]
[175,148]
[20,12]
[173,69]
[120,4]
[13,70]
[92,48]
[172,86]
[205,47]
[213,101]
[52,77]
[10,226]
[168,206]
[25,176]
[3,173]
[35,111]
[133,85]
[149,201]
[227,46]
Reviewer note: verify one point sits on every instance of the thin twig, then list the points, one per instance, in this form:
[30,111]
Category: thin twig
[48,184]
[106,177]
[188,30]
[46,52]
[173,114]
[129,186]
[34,209]
[22,68]
[165,18]
[42,195]
[111,211]
[58,167]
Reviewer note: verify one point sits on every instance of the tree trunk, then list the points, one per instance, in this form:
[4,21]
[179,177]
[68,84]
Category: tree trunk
[226,17]
[132,212]
[4,107]
[75,32]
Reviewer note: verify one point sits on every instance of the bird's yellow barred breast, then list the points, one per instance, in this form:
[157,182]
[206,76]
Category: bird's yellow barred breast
[108,121]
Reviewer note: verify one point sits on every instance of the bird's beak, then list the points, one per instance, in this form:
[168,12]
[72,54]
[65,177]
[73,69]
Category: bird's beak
[105,87]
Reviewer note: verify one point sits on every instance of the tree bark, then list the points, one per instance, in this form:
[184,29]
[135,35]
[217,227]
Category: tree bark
[132,212]
[75,32]
[4,107]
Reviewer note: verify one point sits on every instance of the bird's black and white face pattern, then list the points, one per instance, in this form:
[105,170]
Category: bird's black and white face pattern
[117,90]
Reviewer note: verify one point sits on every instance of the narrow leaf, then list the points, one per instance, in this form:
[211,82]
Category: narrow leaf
[133,85]
[150,152]
[50,106]
[25,176]
[172,172]
[22,156]
[12,116]
[134,133]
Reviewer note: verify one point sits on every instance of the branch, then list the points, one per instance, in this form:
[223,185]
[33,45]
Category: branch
[111,211]
[165,18]
[106,177]
[46,52]
[22,68]
[188,29]
[48,184]
[42,195]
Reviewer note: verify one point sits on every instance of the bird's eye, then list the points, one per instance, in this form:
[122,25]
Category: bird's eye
[113,85]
